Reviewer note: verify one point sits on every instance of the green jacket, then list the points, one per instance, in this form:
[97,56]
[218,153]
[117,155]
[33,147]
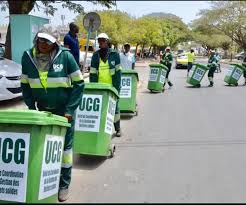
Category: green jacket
[65,83]
[114,64]
[212,61]
[167,59]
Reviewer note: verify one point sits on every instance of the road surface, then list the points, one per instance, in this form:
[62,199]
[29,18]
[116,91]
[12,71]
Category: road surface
[186,145]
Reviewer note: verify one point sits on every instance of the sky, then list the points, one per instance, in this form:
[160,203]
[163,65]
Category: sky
[187,10]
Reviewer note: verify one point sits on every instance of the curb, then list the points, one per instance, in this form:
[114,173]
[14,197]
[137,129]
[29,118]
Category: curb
[230,62]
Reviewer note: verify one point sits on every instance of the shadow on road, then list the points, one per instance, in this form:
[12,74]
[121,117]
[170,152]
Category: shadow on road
[233,86]
[187,86]
[87,162]
[126,117]
[151,93]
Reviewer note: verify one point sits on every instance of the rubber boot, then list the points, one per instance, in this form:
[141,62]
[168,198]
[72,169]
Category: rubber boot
[170,84]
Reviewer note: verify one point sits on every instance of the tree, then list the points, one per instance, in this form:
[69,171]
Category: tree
[228,17]
[114,23]
[26,6]
[148,31]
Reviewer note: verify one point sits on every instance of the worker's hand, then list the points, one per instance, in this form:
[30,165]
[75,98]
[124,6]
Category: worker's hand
[69,117]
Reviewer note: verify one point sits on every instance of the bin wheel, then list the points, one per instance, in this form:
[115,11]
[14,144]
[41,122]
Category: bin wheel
[136,113]
[236,84]
[112,151]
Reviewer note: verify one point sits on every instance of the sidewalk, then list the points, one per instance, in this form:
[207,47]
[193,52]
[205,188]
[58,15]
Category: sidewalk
[228,61]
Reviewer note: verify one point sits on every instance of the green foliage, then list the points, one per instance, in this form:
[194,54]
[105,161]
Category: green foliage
[226,17]
[158,31]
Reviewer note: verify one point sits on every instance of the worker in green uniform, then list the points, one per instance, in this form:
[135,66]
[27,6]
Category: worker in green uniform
[52,81]
[167,60]
[212,64]
[106,68]
[191,58]
[244,72]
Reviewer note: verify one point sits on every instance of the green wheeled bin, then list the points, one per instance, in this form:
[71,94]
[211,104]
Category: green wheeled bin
[196,74]
[94,120]
[157,77]
[31,149]
[233,74]
[128,92]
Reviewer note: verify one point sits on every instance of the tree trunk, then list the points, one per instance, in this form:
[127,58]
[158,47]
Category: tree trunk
[16,7]
[225,54]
[150,49]
[136,50]
[142,51]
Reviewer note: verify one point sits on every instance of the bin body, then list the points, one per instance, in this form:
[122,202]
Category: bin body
[196,74]
[157,77]
[128,92]
[34,142]
[94,120]
[233,74]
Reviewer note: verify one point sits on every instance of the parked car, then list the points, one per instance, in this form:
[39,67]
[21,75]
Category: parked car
[181,61]
[240,56]
[10,74]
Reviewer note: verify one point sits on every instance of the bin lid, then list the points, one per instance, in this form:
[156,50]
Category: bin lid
[158,65]
[238,65]
[101,86]
[200,65]
[134,72]
[32,117]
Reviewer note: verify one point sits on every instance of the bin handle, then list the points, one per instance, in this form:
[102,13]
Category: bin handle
[48,113]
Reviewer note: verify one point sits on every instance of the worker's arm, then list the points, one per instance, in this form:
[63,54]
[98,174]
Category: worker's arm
[25,86]
[67,42]
[117,75]
[78,85]
[93,71]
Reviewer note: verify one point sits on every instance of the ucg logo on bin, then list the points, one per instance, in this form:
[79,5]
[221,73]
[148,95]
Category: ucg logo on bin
[111,107]
[90,104]
[53,151]
[154,71]
[12,150]
[125,82]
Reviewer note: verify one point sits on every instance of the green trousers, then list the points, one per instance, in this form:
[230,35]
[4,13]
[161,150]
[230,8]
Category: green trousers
[117,117]
[67,159]
[211,71]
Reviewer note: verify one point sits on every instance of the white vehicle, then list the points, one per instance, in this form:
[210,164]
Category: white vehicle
[10,74]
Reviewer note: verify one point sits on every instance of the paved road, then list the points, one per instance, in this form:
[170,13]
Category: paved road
[186,145]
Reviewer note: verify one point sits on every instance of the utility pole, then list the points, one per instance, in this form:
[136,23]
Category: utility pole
[62,18]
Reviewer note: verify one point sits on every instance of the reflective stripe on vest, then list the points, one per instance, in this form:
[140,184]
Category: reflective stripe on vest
[93,70]
[67,158]
[63,82]
[76,76]
[24,79]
